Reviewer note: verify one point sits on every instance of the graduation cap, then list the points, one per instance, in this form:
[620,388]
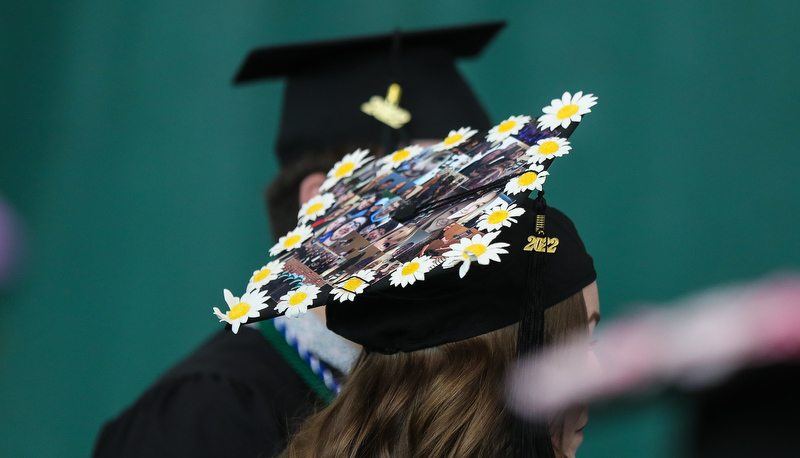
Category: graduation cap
[382,89]
[387,228]
[428,246]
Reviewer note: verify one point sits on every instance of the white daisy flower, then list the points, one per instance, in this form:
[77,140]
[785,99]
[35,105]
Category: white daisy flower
[566,110]
[344,168]
[241,309]
[398,157]
[315,207]
[347,290]
[412,271]
[455,138]
[510,126]
[297,301]
[478,248]
[265,274]
[291,240]
[532,179]
[547,148]
[499,216]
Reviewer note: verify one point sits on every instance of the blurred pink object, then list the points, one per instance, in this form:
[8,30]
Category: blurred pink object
[693,342]
[10,241]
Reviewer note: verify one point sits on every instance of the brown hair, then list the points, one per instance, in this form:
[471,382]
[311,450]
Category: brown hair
[444,401]
[566,320]
[282,194]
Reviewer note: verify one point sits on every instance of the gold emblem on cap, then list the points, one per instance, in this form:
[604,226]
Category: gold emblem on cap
[387,110]
[542,244]
[539,242]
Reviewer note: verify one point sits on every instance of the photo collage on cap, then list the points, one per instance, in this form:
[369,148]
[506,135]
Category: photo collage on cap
[462,189]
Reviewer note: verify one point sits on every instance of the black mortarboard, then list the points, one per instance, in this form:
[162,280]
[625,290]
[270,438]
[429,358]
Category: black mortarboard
[376,216]
[428,246]
[327,83]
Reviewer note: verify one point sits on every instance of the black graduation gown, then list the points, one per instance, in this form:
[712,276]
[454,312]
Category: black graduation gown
[234,396]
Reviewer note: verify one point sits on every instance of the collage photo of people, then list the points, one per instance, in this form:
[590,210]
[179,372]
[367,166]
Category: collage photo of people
[451,188]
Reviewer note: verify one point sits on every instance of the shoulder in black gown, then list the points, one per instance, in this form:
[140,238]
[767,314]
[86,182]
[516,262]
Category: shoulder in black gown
[233,397]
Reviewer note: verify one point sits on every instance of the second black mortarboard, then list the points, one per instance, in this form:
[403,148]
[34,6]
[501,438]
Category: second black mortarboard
[328,82]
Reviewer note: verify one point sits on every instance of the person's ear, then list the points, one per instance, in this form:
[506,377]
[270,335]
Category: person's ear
[309,187]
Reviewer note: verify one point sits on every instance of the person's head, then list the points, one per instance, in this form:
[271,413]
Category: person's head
[387,211]
[340,211]
[328,82]
[376,208]
[335,224]
[453,339]
[405,404]
[375,234]
[395,237]
[367,201]
[347,228]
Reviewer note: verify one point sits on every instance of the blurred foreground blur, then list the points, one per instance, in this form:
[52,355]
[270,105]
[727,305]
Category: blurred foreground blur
[734,351]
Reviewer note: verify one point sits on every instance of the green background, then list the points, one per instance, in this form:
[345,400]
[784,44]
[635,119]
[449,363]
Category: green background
[138,172]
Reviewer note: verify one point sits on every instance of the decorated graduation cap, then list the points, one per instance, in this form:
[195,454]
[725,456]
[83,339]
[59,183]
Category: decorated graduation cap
[406,81]
[427,246]
[437,224]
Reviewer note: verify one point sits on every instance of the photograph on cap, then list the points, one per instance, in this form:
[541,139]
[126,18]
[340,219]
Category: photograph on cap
[442,183]
[356,252]
[394,183]
[459,161]
[341,237]
[376,208]
[378,229]
[387,206]
[325,231]
[419,166]
[487,152]
[294,275]
[317,256]
[449,235]
[399,235]
[410,248]
[385,214]
[363,206]
[439,218]
[502,160]
[473,207]
[330,221]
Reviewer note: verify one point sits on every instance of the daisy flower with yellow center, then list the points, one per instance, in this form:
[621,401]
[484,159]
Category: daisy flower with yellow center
[548,148]
[478,248]
[412,271]
[566,110]
[265,274]
[347,290]
[291,240]
[398,157]
[510,126]
[499,216]
[297,301]
[345,168]
[532,179]
[315,207]
[240,310]
[455,138]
